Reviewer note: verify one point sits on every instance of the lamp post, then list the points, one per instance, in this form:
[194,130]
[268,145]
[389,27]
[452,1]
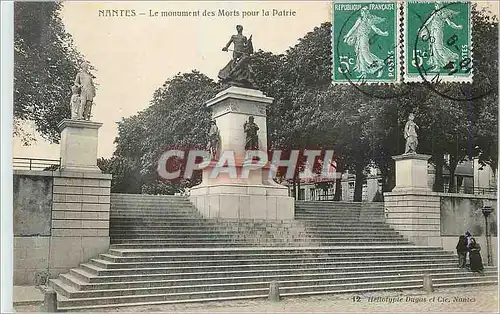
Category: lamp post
[487,210]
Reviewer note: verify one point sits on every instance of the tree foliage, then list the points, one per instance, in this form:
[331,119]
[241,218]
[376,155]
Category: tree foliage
[45,65]
[175,119]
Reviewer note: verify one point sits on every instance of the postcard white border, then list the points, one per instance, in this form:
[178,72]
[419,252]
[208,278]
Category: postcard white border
[7,236]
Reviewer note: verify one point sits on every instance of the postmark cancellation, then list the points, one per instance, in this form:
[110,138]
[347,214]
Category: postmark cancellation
[437,41]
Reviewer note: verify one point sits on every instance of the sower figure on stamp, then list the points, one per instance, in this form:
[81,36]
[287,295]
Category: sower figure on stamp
[433,31]
[238,71]
[75,104]
[251,139]
[359,37]
[213,140]
[411,135]
[84,81]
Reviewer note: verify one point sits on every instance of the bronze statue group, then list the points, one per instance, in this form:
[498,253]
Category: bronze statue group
[469,253]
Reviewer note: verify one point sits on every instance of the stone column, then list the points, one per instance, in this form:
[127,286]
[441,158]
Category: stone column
[255,197]
[79,145]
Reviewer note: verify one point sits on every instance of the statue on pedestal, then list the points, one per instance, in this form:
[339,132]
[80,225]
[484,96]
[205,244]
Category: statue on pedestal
[238,71]
[84,81]
[251,138]
[411,135]
[213,140]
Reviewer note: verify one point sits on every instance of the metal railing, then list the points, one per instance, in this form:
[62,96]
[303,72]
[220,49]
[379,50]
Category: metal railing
[471,190]
[21,163]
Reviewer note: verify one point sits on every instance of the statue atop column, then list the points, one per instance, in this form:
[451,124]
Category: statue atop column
[411,135]
[238,71]
[251,138]
[85,84]
[213,140]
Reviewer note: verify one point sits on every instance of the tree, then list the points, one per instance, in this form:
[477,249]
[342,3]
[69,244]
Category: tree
[45,65]
[176,119]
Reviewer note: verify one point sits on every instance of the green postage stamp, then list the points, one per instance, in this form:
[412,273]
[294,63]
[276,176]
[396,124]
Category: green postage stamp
[438,42]
[365,42]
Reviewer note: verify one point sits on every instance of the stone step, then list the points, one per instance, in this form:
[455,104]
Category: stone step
[326,231]
[262,292]
[337,216]
[182,221]
[256,268]
[108,261]
[338,203]
[287,255]
[336,212]
[236,228]
[165,214]
[88,275]
[154,207]
[145,196]
[241,243]
[104,264]
[127,203]
[179,287]
[222,238]
[187,235]
[78,284]
[372,250]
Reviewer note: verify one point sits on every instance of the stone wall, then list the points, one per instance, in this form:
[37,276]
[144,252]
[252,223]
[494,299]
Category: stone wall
[437,219]
[32,205]
[61,220]
[460,214]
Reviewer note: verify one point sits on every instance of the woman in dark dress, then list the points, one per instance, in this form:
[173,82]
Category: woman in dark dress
[461,251]
[476,262]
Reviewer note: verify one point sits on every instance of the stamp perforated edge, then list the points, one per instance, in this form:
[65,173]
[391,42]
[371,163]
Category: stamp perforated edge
[397,28]
[406,78]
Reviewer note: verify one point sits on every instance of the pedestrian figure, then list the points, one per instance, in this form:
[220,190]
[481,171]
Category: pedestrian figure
[468,236]
[476,262]
[461,251]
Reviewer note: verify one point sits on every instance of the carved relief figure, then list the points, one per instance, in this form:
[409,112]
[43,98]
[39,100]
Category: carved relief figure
[213,140]
[251,138]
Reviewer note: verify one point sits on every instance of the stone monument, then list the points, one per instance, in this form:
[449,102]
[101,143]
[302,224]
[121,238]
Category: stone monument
[239,113]
[411,168]
[79,134]
[411,207]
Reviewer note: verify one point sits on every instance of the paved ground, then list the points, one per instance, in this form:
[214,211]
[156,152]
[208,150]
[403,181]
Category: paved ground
[27,295]
[451,300]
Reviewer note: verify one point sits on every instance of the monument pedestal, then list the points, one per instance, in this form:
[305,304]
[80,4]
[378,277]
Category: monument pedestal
[238,197]
[411,173]
[79,145]
[411,207]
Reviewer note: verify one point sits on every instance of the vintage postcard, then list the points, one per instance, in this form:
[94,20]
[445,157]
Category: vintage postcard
[365,42]
[246,156]
[438,41]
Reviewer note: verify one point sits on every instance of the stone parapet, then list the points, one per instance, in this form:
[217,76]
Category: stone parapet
[77,229]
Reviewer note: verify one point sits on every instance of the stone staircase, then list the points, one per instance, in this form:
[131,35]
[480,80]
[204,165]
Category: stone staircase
[162,251]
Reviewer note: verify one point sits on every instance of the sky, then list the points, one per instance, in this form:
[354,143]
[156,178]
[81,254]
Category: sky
[133,56]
